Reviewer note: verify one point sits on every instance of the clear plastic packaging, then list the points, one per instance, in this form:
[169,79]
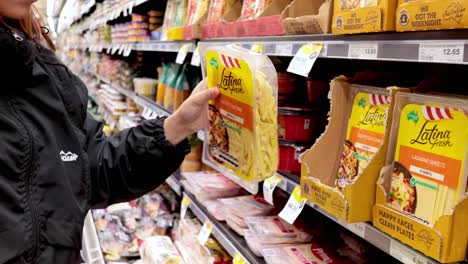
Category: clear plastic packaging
[159,249]
[250,205]
[428,155]
[274,230]
[251,9]
[242,138]
[236,219]
[217,9]
[237,228]
[196,9]
[257,244]
[216,209]
[210,185]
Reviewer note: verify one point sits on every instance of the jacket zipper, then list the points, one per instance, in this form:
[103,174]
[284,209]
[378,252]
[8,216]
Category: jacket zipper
[15,114]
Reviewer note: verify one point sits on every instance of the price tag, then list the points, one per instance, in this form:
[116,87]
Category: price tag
[363,50]
[127,50]
[195,58]
[284,49]
[184,207]
[293,207]
[304,59]
[257,48]
[114,49]
[441,52]
[205,232]
[269,186]
[238,259]
[182,53]
[358,229]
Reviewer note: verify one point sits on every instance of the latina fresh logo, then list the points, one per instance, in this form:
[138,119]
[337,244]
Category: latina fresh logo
[433,136]
[413,116]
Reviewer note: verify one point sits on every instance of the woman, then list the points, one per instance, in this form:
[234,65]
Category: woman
[55,162]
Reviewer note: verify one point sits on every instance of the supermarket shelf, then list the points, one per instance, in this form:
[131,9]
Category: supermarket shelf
[368,232]
[174,183]
[449,46]
[122,48]
[233,243]
[139,100]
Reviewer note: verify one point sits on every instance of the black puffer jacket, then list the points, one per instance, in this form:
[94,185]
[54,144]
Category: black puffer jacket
[55,162]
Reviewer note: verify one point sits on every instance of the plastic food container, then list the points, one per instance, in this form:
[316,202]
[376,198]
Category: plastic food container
[316,91]
[289,153]
[274,230]
[250,205]
[145,86]
[297,124]
[286,89]
[300,254]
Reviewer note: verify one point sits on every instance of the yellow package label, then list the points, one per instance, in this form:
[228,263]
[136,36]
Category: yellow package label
[432,15]
[325,197]
[359,20]
[419,236]
[243,129]
[365,136]
[427,176]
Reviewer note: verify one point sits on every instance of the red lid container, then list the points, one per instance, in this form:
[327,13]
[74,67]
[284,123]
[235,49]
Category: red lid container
[289,153]
[287,86]
[316,91]
[298,124]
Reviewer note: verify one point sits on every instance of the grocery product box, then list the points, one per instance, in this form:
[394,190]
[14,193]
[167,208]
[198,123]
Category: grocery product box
[431,15]
[421,193]
[345,185]
[363,16]
[220,21]
[307,17]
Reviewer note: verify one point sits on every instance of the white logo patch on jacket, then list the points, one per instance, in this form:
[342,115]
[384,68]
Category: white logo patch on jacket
[66,157]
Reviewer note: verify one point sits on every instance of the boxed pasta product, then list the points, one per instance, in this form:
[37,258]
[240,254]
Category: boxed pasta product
[340,170]
[365,133]
[363,16]
[415,15]
[242,138]
[421,198]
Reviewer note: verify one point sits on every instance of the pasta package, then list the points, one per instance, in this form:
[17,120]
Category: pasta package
[252,9]
[428,176]
[365,133]
[218,8]
[242,138]
[196,9]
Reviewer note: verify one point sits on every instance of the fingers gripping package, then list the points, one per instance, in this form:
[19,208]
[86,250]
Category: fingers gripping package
[242,135]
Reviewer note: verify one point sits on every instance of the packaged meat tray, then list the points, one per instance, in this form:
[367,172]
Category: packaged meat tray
[250,205]
[257,244]
[210,185]
[159,249]
[274,230]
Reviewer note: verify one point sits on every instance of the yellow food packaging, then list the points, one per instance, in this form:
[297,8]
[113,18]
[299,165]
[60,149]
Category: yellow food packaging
[365,134]
[363,16]
[421,197]
[242,139]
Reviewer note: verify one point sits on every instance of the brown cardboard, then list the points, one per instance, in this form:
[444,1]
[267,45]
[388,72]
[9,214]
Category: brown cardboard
[308,17]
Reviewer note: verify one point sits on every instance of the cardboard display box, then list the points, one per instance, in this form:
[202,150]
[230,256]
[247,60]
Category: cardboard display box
[355,202]
[225,28]
[378,16]
[431,15]
[307,17]
[446,240]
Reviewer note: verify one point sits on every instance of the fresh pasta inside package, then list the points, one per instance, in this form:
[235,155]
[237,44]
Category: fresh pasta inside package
[242,138]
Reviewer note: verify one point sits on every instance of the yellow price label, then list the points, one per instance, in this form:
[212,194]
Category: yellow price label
[238,259]
[294,206]
[305,58]
[257,48]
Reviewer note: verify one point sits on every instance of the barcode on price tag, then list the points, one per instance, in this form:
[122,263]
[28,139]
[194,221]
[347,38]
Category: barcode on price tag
[304,59]
[182,53]
[238,259]
[363,50]
[205,232]
[269,186]
[195,58]
[441,52]
[184,207]
[294,206]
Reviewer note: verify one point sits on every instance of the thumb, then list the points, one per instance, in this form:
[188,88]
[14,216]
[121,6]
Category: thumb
[204,96]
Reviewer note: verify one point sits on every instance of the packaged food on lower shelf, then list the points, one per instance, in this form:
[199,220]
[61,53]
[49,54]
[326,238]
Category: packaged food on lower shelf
[245,206]
[274,230]
[191,249]
[159,249]
[207,185]
[307,253]
[242,139]
[421,195]
[339,172]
